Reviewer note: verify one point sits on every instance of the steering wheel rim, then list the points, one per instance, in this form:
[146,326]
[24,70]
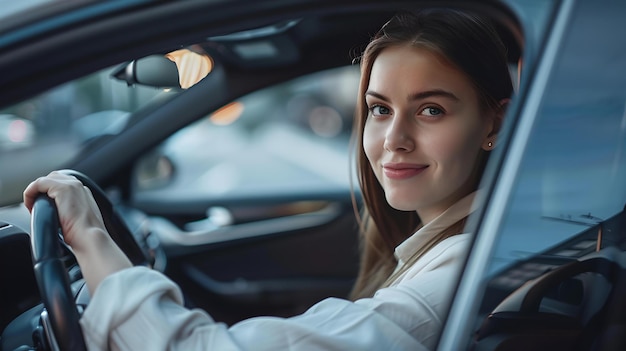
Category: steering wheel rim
[52,277]
[50,272]
[117,228]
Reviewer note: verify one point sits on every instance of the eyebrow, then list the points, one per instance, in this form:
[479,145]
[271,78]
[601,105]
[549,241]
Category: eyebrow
[419,96]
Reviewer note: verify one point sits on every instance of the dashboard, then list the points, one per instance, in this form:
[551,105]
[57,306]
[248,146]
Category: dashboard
[20,301]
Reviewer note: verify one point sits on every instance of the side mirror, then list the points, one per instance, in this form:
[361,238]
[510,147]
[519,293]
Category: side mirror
[153,171]
[179,69]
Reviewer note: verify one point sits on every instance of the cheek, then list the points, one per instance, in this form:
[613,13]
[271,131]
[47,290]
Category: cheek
[372,142]
[456,144]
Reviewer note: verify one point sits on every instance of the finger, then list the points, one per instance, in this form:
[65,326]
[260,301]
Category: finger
[60,176]
[32,191]
[49,185]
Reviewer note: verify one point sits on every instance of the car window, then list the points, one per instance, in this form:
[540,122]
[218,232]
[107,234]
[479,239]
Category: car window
[571,185]
[285,139]
[572,175]
[49,130]
[11,8]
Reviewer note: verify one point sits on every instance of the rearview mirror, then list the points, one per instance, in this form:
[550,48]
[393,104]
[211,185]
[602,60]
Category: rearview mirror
[179,69]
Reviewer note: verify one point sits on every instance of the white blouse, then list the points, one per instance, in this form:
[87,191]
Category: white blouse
[141,309]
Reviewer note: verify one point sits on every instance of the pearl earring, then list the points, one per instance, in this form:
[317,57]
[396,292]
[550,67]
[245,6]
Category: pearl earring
[489,144]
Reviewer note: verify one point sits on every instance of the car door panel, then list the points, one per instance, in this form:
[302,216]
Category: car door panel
[277,265]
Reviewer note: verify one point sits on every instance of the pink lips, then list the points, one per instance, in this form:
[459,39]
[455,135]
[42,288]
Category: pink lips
[402,170]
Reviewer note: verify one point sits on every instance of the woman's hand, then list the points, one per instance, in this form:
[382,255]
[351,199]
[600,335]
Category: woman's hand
[82,226]
[78,211]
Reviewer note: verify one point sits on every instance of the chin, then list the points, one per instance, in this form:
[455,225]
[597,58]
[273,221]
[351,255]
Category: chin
[401,204]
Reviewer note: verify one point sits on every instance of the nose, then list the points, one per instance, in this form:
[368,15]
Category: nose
[398,136]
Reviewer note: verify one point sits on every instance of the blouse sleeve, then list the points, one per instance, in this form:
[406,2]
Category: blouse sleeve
[141,309]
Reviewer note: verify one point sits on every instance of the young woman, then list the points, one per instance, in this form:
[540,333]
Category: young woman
[431,100]
[432,95]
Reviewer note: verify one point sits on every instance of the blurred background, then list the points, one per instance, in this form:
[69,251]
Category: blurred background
[282,138]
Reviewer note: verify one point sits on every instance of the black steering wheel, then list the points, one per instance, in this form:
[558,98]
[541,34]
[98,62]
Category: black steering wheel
[50,271]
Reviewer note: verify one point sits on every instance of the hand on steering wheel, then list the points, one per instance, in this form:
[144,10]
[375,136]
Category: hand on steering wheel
[47,248]
[52,278]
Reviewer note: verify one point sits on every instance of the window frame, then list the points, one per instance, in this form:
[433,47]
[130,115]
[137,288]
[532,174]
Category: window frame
[502,172]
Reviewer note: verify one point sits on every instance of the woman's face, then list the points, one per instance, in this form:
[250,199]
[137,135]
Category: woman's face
[424,131]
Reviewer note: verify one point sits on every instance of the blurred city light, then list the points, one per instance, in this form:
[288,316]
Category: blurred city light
[227,114]
[325,121]
[17,131]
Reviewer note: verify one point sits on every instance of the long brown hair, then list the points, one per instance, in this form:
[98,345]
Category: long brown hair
[470,43]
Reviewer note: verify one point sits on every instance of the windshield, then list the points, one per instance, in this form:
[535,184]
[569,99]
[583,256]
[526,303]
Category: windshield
[49,130]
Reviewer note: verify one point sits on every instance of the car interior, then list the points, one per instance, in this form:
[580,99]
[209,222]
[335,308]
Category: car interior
[273,253]
[553,301]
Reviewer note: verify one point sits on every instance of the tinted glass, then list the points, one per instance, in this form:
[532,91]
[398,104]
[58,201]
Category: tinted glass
[47,131]
[283,140]
[570,193]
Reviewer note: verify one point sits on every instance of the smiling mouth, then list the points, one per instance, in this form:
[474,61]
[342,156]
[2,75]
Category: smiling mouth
[400,171]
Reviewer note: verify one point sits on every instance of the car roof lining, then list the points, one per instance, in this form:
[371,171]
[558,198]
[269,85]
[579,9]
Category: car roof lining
[123,32]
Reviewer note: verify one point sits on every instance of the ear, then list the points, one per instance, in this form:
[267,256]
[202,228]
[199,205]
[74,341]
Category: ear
[498,117]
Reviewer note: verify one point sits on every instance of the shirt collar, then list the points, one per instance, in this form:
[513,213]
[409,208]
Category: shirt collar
[454,213]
